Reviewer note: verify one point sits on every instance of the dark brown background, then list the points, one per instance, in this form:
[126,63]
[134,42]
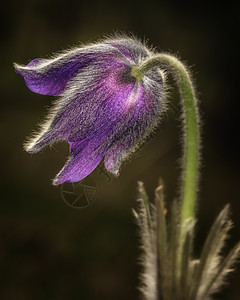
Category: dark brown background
[51,251]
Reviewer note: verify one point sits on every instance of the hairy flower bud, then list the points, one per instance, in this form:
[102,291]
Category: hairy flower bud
[103,111]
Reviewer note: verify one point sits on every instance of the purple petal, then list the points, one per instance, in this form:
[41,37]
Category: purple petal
[86,108]
[87,154]
[145,117]
[48,77]
[84,158]
[51,76]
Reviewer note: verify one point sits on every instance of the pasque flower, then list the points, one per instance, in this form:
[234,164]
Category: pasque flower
[110,98]
[102,110]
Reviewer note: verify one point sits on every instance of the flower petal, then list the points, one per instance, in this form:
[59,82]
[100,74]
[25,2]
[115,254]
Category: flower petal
[84,158]
[88,153]
[88,104]
[145,117]
[51,76]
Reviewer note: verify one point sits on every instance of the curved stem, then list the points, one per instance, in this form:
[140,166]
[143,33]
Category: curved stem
[190,124]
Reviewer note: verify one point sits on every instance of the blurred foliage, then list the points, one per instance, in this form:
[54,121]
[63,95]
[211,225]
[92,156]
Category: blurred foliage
[51,251]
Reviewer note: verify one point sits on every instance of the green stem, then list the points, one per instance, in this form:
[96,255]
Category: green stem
[190,124]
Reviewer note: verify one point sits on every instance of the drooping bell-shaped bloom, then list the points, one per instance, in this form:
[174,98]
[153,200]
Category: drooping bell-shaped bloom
[102,110]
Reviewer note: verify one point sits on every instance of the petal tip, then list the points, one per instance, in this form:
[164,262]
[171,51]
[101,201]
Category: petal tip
[15,65]
[56,181]
[31,147]
[60,179]
[114,170]
[18,68]
[38,141]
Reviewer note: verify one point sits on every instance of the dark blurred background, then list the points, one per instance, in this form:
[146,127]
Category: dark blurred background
[49,250]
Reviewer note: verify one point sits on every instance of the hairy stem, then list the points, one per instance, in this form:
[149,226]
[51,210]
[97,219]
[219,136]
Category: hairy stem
[190,125]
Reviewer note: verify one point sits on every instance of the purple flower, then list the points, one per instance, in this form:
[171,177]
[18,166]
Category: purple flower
[102,111]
